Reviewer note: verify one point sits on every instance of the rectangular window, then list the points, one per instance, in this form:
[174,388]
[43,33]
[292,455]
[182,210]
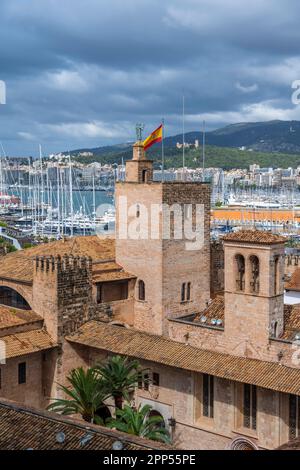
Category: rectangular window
[112,291]
[155,379]
[188,291]
[183,292]
[208,396]
[22,373]
[140,382]
[294,417]
[146,382]
[249,406]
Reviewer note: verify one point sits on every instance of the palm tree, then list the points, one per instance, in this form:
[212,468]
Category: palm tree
[120,376]
[85,396]
[139,423]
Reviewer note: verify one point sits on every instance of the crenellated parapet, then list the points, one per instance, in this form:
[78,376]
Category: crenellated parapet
[292,260]
[62,264]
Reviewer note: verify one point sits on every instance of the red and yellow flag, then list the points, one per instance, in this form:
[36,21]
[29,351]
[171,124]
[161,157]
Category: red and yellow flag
[153,138]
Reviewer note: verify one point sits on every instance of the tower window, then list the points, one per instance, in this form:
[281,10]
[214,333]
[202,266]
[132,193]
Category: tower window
[22,373]
[188,291]
[249,406]
[254,274]
[208,396]
[240,272]
[294,417]
[144,176]
[185,292]
[276,277]
[141,287]
[138,211]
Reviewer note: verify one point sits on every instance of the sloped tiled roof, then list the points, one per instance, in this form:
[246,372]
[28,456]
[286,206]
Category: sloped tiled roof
[27,342]
[10,317]
[19,265]
[254,236]
[291,322]
[23,428]
[162,350]
[294,282]
[215,310]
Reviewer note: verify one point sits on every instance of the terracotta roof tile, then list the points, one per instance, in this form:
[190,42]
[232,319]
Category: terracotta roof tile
[254,236]
[10,317]
[291,322]
[19,265]
[28,342]
[24,428]
[294,282]
[214,311]
[112,276]
[161,350]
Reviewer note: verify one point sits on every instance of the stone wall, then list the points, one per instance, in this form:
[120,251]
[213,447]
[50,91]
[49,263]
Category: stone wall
[178,396]
[29,393]
[161,260]
[216,268]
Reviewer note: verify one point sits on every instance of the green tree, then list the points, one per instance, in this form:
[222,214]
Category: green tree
[139,423]
[86,395]
[120,376]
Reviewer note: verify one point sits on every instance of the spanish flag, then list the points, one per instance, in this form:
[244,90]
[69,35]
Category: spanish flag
[153,138]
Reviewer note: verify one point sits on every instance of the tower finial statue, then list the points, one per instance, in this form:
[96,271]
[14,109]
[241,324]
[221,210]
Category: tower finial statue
[139,129]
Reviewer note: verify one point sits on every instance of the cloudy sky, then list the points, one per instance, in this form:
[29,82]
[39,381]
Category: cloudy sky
[81,73]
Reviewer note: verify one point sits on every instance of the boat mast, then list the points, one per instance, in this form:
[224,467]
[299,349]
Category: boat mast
[71,195]
[58,203]
[94,203]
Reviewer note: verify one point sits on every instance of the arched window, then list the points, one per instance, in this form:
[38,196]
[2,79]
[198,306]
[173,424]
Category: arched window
[141,287]
[156,413]
[275,329]
[276,276]
[254,274]
[240,272]
[12,298]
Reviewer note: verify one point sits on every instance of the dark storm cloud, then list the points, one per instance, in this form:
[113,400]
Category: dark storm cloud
[81,73]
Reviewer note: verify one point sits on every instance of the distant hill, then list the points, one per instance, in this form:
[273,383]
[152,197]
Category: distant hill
[264,143]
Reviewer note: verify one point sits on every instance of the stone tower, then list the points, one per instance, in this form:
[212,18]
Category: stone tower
[154,243]
[62,293]
[254,287]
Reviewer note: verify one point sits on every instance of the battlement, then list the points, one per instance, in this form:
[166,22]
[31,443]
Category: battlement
[65,263]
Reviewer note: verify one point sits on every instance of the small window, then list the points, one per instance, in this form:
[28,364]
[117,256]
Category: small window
[240,272]
[254,274]
[155,379]
[22,373]
[144,176]
[0,379]
[141,287]
[294,417]
[188,291]
[276,275]
[249,406]
[140,381]
[185,291]
[146,382]
[208,395]
[138,211]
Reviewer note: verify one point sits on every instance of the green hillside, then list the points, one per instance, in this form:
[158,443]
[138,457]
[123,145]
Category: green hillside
[223,157]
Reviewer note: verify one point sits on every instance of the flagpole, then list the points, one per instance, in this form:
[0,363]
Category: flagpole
[162,151]
[183,139]
[203,152]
